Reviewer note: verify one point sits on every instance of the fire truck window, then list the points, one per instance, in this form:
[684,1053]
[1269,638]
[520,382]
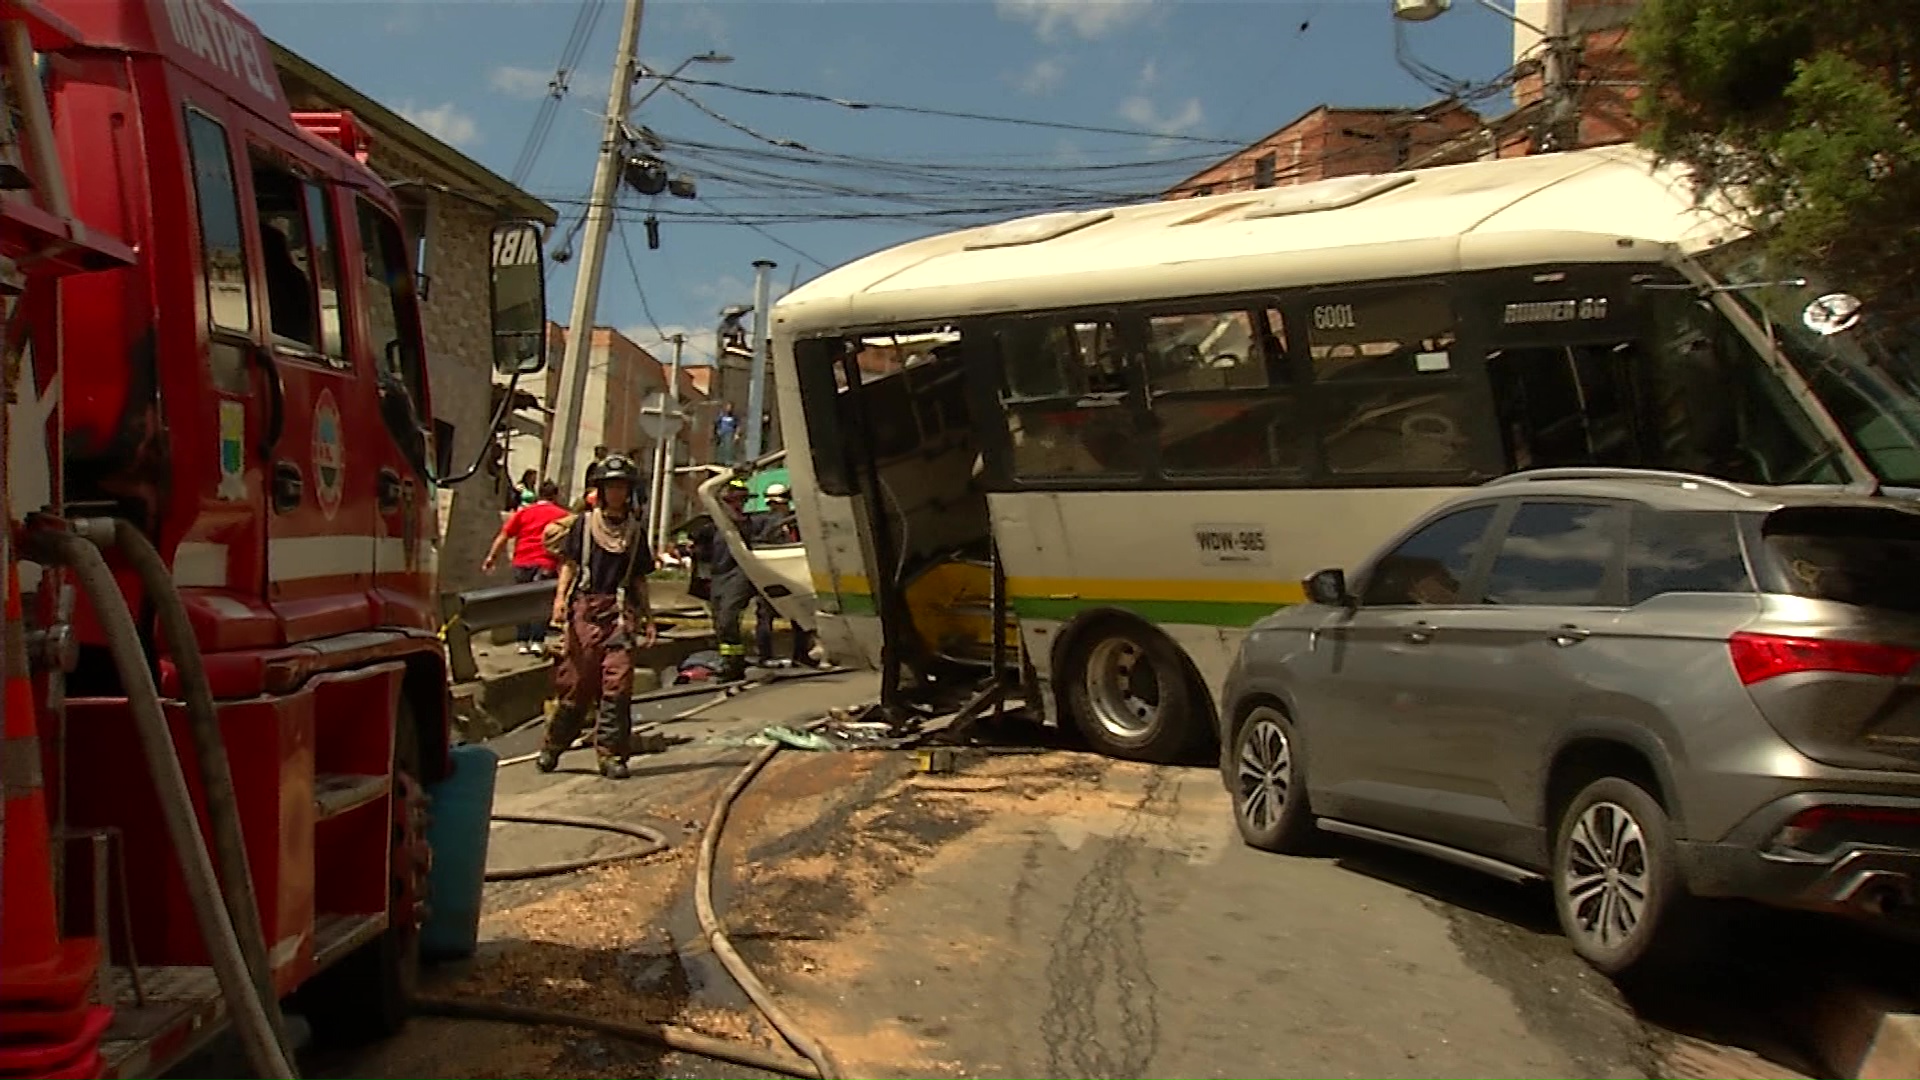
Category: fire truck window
[393,320]
[326,264]
[229,306]
[286,254]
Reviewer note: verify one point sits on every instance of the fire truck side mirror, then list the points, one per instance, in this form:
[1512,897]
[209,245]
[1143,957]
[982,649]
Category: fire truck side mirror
[518,298]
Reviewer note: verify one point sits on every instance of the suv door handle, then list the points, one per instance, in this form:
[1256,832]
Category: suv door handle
[1569,635]
[1418,635]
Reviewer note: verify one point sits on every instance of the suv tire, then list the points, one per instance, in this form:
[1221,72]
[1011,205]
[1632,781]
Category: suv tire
[1616,879]
[1267,782]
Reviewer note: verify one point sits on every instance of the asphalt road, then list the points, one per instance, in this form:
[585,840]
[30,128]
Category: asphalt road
[1044,912]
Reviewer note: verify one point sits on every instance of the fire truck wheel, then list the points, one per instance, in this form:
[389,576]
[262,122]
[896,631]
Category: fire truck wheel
[368,995]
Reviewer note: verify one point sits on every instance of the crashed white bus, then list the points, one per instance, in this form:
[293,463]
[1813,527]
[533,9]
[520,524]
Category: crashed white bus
[1139,428]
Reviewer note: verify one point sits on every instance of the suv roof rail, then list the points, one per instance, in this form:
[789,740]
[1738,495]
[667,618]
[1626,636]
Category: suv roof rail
[1602,472]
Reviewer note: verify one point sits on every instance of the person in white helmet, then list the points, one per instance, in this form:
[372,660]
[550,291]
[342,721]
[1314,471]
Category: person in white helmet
[777,524]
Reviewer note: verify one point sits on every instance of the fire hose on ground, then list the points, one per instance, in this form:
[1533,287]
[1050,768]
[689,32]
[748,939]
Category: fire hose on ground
[816,1061]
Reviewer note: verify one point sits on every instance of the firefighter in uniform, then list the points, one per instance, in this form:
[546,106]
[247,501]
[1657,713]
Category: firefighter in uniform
[732,590]
[601,604]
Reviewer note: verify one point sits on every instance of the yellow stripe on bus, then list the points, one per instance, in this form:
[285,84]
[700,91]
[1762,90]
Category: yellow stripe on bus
[1276,593]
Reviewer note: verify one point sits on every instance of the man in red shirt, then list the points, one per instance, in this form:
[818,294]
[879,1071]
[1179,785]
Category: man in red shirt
[531,559]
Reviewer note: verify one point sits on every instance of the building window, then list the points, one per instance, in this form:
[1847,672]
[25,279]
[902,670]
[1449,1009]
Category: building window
[1264,168]
[1203,191]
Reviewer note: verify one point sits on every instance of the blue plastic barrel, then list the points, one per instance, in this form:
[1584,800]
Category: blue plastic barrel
[462,809]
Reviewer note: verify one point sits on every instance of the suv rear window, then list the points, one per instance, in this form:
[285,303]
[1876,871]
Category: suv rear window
[1850,555]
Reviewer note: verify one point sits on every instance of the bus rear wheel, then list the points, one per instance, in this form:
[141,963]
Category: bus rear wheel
[1128,692]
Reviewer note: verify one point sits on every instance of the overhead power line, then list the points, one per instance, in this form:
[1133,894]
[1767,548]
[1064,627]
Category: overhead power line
[955,114]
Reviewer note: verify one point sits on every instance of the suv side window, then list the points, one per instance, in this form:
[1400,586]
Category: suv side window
[1693,551]
[1429,568]
[1558,554]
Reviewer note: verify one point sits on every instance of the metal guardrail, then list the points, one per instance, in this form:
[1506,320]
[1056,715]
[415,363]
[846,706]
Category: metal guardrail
[480,610]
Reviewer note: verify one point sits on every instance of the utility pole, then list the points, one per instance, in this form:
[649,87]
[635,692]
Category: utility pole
[762,354]
[1557,74]
[569,409]
[663,454]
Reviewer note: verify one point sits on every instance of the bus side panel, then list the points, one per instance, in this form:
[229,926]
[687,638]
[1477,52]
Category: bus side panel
[1202,566]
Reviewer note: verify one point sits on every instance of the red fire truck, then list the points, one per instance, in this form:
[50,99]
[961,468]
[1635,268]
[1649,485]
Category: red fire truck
[225,692]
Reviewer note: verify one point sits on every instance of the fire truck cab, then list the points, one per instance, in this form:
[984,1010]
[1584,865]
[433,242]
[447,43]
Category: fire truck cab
[250,396]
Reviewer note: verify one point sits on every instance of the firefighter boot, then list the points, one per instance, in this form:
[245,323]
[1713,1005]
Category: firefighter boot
[614,735]
[614,768]
[546,761]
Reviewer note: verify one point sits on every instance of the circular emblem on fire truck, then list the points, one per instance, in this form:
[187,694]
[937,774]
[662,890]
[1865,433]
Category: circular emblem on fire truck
[329,454]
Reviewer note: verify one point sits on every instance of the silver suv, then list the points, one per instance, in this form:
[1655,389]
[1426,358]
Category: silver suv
[1643,687]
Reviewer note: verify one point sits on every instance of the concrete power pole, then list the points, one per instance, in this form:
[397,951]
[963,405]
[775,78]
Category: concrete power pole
[663,455]
[1562,127]
[564,469]
[762,355]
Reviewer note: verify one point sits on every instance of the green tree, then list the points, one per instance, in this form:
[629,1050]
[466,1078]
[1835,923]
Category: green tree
[1809,107]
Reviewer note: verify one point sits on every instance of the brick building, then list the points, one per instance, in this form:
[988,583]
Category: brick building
[1606,82]
[1329,141]
[620,375]
[451,203]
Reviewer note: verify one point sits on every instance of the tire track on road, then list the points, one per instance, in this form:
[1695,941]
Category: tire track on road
[1101,946]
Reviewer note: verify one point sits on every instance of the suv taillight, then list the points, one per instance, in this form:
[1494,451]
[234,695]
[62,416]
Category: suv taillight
[1759,657]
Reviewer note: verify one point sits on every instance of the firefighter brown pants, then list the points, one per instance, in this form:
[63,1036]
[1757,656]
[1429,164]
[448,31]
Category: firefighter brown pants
[594,674]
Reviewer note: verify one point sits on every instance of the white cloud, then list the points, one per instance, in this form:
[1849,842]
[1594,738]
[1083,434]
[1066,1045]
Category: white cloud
[1143,112]
[1149,75]
[444,122]
[513,80]
[1043,78]
[1089,19]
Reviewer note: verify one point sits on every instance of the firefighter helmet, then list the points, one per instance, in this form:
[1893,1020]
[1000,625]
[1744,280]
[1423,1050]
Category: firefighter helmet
[779,492]
[616,467]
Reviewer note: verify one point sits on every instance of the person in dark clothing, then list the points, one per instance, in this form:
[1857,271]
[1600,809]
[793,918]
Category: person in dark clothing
[731,590]
[777,525]
[601,603]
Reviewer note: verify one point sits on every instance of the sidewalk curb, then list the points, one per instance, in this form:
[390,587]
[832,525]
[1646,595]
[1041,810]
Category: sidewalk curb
[1860,1033]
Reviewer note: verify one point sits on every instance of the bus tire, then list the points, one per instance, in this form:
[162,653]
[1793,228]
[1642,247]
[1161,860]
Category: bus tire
[1129,693]
[368,995]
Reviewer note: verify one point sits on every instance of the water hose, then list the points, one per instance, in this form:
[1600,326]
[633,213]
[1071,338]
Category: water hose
[250,1014]
[652,842]
[209,751]
[716,935]
[667,1035]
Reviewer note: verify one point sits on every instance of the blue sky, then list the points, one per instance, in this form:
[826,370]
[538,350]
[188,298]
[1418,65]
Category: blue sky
[1171,73]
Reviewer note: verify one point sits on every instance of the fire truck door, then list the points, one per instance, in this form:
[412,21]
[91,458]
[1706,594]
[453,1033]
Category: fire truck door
[319,483]
[396,431]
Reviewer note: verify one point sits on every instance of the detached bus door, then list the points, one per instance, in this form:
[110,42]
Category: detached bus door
[320,485]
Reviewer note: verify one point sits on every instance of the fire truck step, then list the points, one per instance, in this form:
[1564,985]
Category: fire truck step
[337,793]
[184,1008]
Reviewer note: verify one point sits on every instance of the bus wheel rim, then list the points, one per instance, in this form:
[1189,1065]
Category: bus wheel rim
[1115,667]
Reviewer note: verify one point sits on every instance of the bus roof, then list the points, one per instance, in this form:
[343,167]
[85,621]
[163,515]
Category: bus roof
[1611,204]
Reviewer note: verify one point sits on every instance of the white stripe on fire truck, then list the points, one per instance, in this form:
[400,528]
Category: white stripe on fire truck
[297,558]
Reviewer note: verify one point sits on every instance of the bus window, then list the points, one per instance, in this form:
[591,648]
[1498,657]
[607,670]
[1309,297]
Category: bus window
[1567,405]
[223,255]
[1398,430]
[1062,442]
[1055,358]
[1221,400]
[1719,409]
[1382,333]
[1216,350]
[280,203]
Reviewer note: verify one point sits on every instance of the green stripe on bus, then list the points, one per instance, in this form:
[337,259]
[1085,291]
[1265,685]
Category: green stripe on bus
[1188,612]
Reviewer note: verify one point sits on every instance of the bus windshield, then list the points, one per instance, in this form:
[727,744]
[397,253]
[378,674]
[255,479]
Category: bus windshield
[1864,370]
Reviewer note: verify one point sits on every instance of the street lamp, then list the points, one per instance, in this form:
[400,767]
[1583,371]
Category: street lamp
[1558,89]
[708,57]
